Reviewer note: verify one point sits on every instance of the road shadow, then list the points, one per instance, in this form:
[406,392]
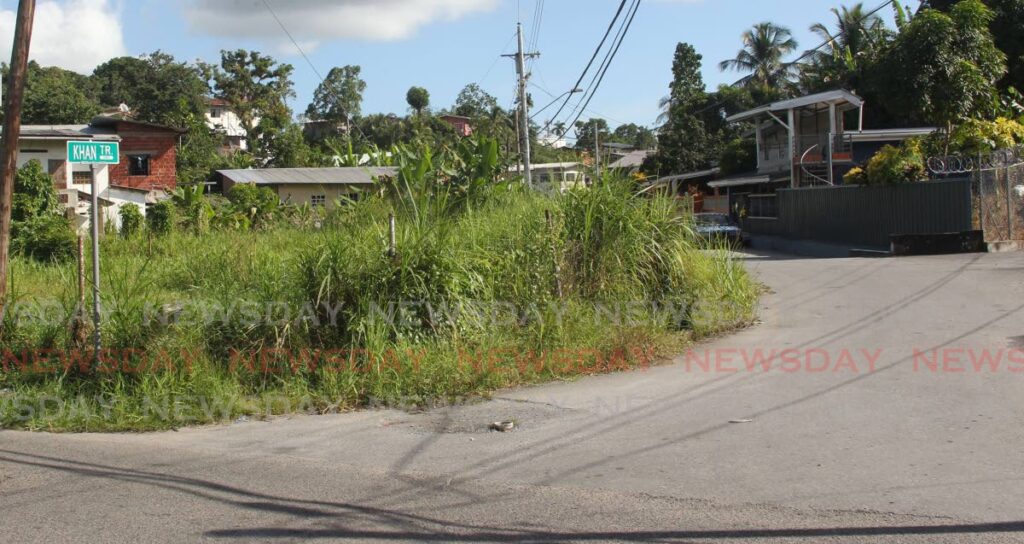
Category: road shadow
[346,520]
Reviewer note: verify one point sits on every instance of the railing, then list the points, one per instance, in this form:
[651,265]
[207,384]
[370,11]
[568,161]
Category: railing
[840,146]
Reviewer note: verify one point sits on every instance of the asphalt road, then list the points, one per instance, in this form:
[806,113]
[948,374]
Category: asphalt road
[849,436]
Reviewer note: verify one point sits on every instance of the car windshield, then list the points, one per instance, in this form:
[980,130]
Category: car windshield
[714,219]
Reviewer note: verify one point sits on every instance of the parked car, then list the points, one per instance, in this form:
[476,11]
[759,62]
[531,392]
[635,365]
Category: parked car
[719,227]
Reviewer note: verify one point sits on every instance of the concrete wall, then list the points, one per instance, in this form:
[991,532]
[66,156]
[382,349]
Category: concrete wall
[295,193]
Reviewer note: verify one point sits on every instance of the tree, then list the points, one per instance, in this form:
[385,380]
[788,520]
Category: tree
[156,87]
[474,102]
[1007,29]
[764,48]
[382,131]
[255,87]
[857,41]
[684,143]
[943,68]
[635,135]
[585,133]
[418,99]
[54,96]
[339,98]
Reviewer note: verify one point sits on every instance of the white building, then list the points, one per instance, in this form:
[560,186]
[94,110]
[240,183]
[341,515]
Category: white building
[220,118]
[47,144]
[556,176]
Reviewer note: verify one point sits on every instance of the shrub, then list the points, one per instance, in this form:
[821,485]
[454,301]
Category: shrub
[38,230]
[258,204]
[44,238]
[131,220]
[901,164]
[34,194]
[196,211]
[856,176]
[161,217]
[978,136]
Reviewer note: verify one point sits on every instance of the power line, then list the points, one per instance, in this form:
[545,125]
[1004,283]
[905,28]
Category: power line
[614,52]
[597,51]
[589,110]
[290,37]
[280,23]
[496,59]
[538,19]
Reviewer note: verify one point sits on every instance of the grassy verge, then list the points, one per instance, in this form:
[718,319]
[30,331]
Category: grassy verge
[202,329]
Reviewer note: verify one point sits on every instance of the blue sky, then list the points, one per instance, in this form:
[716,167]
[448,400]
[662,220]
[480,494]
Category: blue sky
[438,44]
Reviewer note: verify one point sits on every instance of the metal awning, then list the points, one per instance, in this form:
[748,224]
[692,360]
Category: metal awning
[839,97]
[740,181]
[690,175]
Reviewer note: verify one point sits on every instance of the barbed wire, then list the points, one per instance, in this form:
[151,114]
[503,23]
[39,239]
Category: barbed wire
[962,164]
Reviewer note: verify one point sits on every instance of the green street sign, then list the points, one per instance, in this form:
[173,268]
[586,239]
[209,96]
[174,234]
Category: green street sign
[94,152]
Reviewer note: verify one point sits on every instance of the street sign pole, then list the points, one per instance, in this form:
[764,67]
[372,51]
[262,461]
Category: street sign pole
[97,343]
[95,154]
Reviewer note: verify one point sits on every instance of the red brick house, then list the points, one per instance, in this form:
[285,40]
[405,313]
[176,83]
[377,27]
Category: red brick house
[148,154]
[459,123]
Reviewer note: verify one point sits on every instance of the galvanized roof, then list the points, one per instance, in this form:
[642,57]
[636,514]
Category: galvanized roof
[309,176]
[632,159]
[66,132]
[840,97]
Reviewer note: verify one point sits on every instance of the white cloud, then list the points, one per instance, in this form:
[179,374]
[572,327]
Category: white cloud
[315,20]
[73,34]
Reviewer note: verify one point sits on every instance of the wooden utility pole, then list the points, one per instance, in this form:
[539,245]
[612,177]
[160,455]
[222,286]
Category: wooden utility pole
[11,131]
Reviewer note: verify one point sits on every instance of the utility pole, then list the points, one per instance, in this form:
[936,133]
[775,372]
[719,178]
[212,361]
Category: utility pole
[524,106]
[11,132]
[597,149]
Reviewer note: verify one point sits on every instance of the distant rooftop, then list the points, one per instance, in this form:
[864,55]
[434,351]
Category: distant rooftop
[67,132]
[309,176]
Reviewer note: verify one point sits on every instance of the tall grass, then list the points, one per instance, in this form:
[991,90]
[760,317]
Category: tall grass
[469,303]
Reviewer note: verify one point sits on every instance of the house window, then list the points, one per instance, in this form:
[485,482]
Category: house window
[138,165]
[81,177]
[215,113]
[318,200]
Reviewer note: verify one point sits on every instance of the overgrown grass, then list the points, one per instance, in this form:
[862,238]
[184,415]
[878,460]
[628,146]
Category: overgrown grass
[257,323]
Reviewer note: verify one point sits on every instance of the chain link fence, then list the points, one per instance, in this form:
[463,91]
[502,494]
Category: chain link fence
[997,187]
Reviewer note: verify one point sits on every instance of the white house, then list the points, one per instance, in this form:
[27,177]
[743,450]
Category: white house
[221,118]
[556,176]
[48,145]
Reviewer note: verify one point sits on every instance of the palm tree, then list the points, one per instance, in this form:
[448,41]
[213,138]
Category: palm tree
[856,35]
[764,47]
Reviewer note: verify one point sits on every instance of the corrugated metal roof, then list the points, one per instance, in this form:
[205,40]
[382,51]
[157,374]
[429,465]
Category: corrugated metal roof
[632,159]
[739,181]
[309,176]
[838,96]
[66,132]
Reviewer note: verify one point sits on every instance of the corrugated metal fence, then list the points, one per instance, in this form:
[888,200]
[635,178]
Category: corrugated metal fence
[867,216]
